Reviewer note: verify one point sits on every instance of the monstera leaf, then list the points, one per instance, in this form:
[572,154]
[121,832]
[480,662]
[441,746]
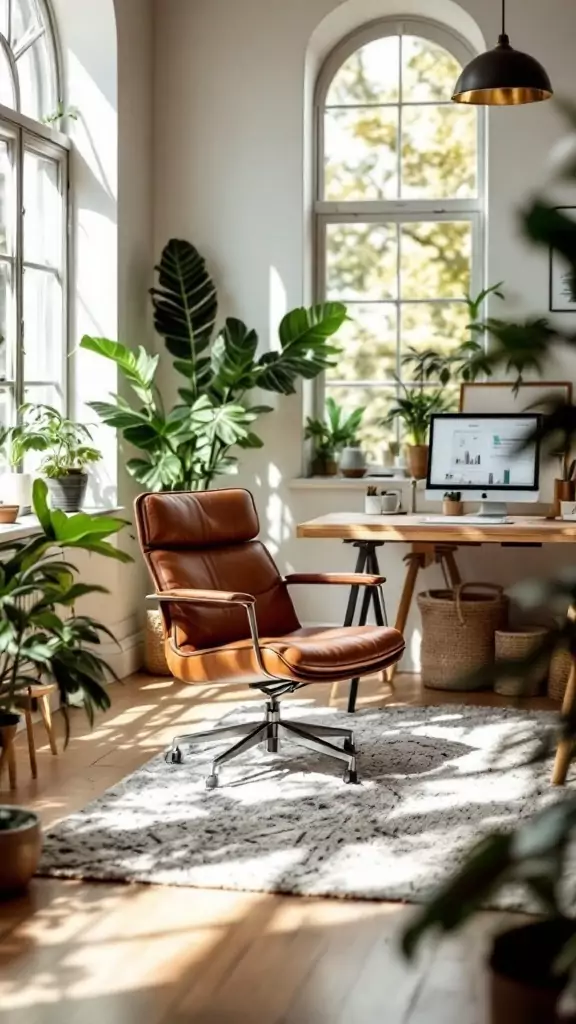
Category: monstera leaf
[305,352]
[233,354]
[185,306]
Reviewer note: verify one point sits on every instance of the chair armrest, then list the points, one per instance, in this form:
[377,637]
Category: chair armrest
[345,579]
[203,597]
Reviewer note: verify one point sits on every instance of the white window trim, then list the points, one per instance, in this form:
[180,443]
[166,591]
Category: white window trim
[27,133]
[325,211]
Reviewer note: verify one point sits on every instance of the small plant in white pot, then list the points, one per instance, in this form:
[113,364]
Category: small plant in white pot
[67,451]
[15,486]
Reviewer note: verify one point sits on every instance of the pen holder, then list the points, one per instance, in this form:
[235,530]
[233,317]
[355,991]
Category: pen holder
[372,504]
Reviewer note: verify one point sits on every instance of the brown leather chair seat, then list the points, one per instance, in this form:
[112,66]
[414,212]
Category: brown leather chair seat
[228,617]
[308,655]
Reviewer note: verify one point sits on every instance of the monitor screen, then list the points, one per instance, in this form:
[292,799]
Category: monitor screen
[481,452]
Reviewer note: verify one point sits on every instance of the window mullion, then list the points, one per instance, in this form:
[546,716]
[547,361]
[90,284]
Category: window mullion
[19,274]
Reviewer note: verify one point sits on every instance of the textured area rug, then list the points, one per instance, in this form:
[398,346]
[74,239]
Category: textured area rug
[433,781]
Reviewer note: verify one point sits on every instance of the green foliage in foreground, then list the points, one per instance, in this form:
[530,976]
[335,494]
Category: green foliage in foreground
[38,587]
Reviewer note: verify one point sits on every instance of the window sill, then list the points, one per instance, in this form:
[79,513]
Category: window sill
[28,526]
[341,483]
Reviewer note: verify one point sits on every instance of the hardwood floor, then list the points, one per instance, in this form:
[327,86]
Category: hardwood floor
[77,953]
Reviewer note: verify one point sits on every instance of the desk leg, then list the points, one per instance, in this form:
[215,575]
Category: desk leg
[414,566]
[566,747]
[352,600]
[453,570]
[371,595]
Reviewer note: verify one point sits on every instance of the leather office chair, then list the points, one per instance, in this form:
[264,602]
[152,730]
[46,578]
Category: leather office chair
[228,618]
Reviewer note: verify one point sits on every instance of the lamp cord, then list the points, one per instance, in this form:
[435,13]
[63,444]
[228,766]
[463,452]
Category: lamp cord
[503,17]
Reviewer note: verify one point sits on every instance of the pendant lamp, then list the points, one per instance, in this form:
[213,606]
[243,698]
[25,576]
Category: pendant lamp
[503,77]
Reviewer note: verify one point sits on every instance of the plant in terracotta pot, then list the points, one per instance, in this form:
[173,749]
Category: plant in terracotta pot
[452,504]
[66,448]
[331,436]
[414,408]
[37,585]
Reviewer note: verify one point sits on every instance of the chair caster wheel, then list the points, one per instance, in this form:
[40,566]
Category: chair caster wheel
[349,747]
[211,782]
[351,777]
[174,756]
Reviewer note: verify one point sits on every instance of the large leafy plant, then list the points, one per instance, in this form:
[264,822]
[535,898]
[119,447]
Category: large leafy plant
[36,584]
[188,446]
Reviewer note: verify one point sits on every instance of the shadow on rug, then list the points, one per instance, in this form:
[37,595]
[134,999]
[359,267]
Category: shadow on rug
[433,781]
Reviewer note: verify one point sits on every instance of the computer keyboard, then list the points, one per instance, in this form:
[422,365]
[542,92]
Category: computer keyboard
[466,520]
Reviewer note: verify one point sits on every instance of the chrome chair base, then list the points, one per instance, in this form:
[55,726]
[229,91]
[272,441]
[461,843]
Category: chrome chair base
[269,733]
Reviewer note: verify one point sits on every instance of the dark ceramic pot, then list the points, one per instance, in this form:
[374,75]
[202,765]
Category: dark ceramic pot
[68,492]
[523,986]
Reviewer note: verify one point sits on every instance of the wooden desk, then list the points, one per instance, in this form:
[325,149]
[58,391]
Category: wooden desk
[408,529]
[435,542]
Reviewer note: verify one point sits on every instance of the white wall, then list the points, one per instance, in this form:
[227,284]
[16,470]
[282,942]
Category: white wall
[230,162]
[108,58]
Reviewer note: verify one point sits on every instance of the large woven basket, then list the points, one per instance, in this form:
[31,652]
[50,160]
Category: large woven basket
[515,646]
[154,657]
[560,666]
[458,628]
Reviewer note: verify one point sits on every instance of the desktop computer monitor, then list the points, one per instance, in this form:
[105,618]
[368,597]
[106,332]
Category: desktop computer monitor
[483,457]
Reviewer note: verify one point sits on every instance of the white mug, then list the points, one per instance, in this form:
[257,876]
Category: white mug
[391,502]
[568,510]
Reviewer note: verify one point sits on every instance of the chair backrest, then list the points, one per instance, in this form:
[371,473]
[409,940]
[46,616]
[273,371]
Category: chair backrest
[205,540]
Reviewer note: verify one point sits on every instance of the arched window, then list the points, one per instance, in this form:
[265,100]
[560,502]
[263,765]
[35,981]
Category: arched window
[399,183]
[28,59]
[33,211]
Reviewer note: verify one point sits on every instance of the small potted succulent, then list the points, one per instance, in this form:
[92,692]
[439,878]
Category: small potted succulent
[452,504]
[66,451]
[332,436]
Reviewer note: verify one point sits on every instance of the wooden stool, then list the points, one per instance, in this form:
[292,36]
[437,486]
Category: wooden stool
[38,698]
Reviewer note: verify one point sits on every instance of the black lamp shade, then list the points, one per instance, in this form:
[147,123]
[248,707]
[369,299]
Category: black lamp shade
[503,77]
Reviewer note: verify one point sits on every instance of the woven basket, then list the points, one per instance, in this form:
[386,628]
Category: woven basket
[516,645]
[154,657]
[560,666]
[458,628]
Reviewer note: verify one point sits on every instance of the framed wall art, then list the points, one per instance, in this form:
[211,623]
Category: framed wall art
[562,284]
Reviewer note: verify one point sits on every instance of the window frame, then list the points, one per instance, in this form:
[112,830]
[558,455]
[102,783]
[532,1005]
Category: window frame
[390,210]
[27,134]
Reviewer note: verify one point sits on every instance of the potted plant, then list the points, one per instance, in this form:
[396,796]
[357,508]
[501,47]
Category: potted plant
[452,504]
[331,436]
[414,408]
[15,485]
[66,448]
[190,445]
[37,585]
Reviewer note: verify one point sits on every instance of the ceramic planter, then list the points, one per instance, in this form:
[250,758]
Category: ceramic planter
[67,492]
[352,462]
[20,848]
[418,461]
[523,987]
